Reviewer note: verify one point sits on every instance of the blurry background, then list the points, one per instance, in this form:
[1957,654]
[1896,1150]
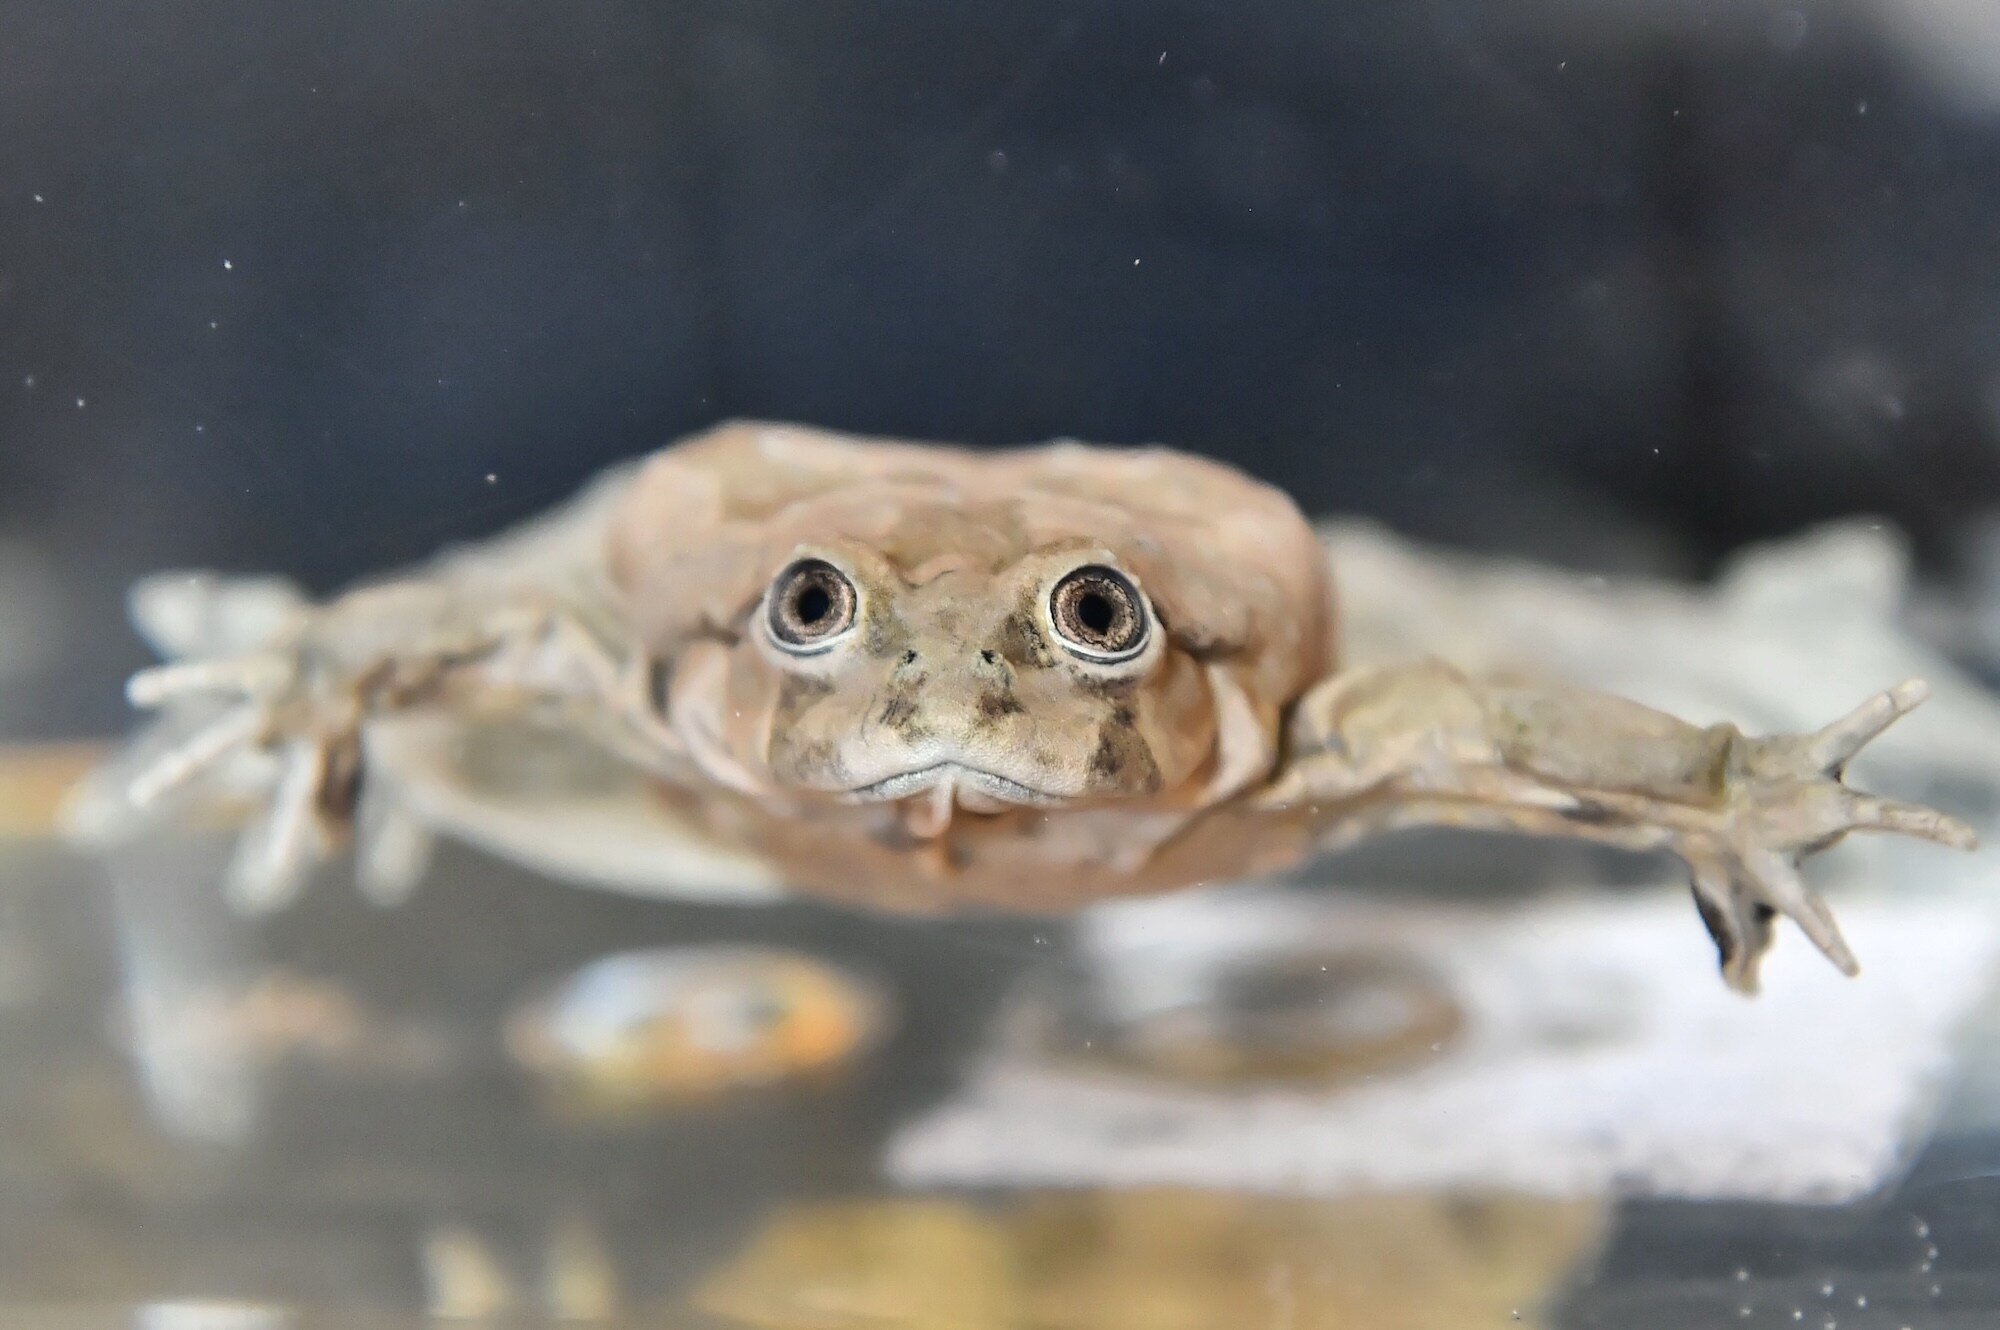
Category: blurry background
[1615,282]
[1620,284]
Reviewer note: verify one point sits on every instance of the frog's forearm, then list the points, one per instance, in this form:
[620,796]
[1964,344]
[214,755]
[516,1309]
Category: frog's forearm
[1426,729]
[411,643]
[1423,744]
[472,646]
[1345,822]
[1426,726]
[311,692]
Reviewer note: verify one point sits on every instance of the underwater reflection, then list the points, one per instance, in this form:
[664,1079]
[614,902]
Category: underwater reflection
[1157,1260]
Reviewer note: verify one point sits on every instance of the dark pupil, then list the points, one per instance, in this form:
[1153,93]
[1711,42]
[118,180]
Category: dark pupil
[1095,611]
[812,604]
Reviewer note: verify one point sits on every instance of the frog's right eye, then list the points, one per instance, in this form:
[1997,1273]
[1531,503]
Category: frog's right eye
[810,604]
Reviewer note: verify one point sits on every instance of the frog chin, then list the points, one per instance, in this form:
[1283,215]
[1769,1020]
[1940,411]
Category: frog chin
[974,789]
[926,798]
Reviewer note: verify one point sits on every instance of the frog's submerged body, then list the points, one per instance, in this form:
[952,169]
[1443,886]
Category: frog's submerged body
[924,678]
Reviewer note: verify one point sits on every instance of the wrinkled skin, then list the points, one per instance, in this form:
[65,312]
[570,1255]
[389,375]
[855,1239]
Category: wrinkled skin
[953,700]
[953,660]
[924,678]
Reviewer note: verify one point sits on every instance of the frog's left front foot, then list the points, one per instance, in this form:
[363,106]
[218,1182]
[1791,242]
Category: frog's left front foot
[1784,798]
[1425,744]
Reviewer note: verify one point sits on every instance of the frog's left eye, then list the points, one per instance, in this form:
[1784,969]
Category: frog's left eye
[1099,614]
[810,604]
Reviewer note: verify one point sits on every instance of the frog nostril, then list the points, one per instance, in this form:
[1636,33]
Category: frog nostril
[989,658]
[909,657]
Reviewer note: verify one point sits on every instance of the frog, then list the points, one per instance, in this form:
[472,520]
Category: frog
[779,661]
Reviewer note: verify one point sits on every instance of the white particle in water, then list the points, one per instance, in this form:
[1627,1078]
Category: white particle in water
[1861,1300]
[1742,1274]
[39,199]
[27,380]
[492,479]
[212,323]
[1826,1290]
[79,404]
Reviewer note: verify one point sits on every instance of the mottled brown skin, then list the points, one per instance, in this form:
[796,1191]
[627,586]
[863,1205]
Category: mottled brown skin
[954,659]
[954,742]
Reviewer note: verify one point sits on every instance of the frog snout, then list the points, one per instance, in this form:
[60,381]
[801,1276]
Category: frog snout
[929,668]
[957,690]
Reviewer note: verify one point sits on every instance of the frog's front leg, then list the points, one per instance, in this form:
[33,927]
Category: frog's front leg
[300,705]
[1424,744]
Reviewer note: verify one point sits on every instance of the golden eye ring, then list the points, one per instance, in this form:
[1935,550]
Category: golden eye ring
[1100,615]
[810,605]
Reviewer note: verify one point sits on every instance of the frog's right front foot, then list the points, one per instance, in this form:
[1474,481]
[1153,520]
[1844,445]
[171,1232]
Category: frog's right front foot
[292,730]
[284,717]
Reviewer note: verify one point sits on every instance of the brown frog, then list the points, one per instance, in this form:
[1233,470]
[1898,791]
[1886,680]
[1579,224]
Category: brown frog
[926,678]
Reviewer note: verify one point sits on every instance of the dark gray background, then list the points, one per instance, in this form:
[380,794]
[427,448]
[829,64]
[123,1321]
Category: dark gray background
[1619,282]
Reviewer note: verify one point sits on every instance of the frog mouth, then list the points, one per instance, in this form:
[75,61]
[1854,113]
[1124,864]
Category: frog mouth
[952,780]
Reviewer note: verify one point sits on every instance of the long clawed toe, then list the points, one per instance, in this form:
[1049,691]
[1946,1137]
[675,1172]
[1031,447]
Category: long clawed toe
[278,851]
[1832,747]
[1739,902]
[1740,897]
[1866,812]
[1774,882]
[242,685]
[194,756]
[239,676]
[1804,788]
[393,849]
[1741,928]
